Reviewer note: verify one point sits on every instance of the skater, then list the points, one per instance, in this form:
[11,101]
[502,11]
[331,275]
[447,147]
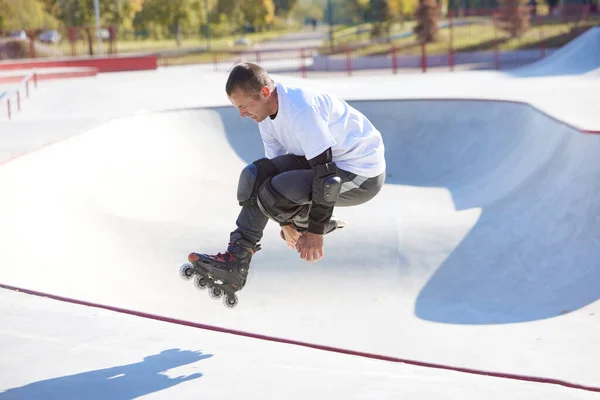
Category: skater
[320,153]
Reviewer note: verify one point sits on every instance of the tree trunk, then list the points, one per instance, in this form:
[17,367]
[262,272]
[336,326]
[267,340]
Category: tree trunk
[514,17]
[178,32]
[90,41]
[428,16]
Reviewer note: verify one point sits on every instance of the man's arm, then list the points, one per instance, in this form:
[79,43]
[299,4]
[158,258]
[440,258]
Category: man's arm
[326,188]
[317,141]
[273,149]
[271,145]
[321,209]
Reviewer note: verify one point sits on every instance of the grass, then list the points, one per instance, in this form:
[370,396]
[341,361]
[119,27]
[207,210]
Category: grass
[480,36]
[182,59]
[126,46]
[218,47]
[196,43]
[362,32]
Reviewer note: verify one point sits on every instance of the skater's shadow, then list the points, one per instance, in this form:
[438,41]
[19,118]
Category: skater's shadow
[116,383]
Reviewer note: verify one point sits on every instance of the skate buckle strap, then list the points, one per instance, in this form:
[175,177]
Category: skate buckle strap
[224,257]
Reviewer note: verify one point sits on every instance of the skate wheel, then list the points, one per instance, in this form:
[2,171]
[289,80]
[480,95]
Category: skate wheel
[215,292]
[230,302]
[200,282]
[186,271]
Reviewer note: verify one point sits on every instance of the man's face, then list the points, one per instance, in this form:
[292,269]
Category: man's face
[254,106]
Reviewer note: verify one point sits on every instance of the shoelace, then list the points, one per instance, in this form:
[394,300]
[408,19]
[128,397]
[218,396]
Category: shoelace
[224,257]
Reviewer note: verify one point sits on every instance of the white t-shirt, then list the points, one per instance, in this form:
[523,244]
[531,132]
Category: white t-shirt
[309,122]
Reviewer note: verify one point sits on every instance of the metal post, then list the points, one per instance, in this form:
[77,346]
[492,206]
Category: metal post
[98,27]
[394,59]
[207,26]
[423,57]
[542,45]
[330,12]
[348,60]
[302,63]
[451,48]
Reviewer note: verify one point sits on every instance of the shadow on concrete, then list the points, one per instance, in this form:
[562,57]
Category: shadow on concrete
[117,383]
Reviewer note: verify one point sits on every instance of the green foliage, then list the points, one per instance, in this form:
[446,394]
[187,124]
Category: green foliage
[119,12]
[514,17]
[408,8]
[284,7]
[384,14]
[304,10]
[347,11]
[226,17]
[165,17]
[26,14]
[258,13]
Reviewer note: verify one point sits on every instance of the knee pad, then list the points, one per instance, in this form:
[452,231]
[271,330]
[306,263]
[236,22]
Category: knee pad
[327,184]
[251,178]
[276,207]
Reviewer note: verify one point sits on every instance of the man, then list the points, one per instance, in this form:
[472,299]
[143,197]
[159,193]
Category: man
[319,153]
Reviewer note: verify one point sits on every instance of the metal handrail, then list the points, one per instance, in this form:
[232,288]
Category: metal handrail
[25,81]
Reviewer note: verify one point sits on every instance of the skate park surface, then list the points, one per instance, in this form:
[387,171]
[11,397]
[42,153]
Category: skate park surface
[478,257]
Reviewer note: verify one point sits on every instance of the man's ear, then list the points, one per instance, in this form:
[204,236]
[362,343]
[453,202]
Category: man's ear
[266,92]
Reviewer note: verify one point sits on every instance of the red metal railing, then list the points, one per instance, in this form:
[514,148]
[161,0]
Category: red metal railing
[13,93]
[471,36]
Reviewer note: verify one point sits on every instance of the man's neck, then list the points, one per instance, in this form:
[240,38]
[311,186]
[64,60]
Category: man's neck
[275,104]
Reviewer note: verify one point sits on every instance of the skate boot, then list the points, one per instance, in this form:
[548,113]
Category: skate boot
[224,273]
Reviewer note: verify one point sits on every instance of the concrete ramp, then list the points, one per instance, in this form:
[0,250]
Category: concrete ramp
[579,56]
[480,252]
[532,253]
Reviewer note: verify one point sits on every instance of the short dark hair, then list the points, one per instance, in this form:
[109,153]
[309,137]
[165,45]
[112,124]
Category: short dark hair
[249,78]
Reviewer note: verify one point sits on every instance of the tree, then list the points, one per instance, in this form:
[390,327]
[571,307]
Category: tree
[226,17]
[408,7]
[284,7]
[428,16]
[513,17]
[346,11]
[120,12]
[302,10]
[385,13]
[82,12]
[52,7]
[258,13]
[26,14]
[172,16]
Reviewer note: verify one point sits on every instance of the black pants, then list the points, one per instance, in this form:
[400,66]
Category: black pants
[294,182]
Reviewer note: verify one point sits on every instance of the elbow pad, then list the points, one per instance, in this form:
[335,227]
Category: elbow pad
[327,184]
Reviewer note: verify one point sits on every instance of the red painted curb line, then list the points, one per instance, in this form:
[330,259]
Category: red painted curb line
[131,62]
[25,153]
[43,76]
[309,345]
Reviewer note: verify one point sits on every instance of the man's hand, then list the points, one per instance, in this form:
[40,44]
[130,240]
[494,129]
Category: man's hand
[310,247]
[291,235]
